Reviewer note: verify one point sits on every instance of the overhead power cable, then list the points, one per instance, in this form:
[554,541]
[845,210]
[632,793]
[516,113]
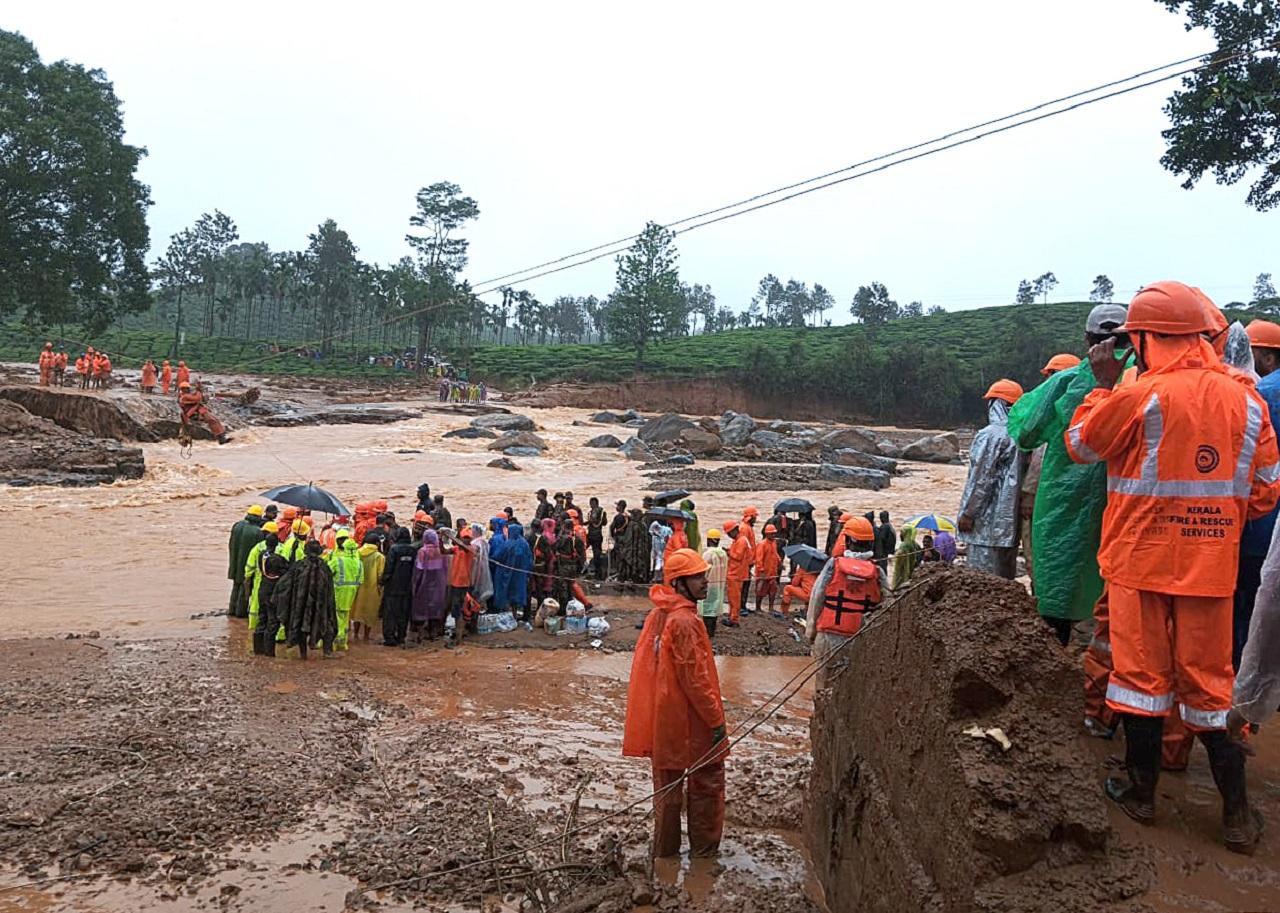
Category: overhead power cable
[824,181]
[920,145]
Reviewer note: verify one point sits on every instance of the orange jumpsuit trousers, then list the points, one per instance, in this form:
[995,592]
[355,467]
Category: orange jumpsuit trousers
[1171,650]
[705,798]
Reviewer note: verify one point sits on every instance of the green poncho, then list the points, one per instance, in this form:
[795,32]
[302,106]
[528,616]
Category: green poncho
[1066,527]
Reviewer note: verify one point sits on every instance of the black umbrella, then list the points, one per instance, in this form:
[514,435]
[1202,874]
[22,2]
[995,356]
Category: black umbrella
[667,513]
[792,506]
[808,557]
[663,498]
[307,496]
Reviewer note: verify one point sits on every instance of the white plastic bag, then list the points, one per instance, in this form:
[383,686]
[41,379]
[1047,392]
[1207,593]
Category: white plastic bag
[597,627]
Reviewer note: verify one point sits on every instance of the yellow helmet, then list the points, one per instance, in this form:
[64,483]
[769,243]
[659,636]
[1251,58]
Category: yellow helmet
[300,528]
[270,527]
[255,510]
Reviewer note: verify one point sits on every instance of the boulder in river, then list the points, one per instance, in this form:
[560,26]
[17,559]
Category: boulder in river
[849,457]
[665,429]
[700,442]
[519,439]
[635,449]
[470,434]
[736,428]
[937,448]
[504,422]
[36,451]
[850,439]
[604,441]
[854,476]
[608,418]
[503,463]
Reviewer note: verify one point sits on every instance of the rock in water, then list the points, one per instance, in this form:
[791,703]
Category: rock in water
[939,448]
[702,443]
[736,428]
[905,812]
[850,439]
[635,449]
[608,418]
[470,434]
[603,441]
[523,451]
[854,476]
[525,439]
[503,463]
[665,429]
[35,451]
[865,460]
[504,422]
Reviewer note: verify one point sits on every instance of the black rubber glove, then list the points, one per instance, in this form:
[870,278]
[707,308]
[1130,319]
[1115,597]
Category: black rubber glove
[717,735]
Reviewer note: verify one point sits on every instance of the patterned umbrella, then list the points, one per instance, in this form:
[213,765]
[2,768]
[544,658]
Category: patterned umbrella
[933,522]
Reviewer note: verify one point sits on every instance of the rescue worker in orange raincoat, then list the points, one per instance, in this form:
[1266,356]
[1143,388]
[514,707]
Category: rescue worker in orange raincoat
[800,588]
[768,568]
[191,402]
[45,362]
[184,374]
[60,368]
[82,368]
[148,376]
[738,576]
[748,526]
[1191,455]
[850,585]
[675,716]
[166,377]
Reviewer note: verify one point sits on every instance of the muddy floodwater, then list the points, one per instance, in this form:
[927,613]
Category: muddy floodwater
[150,763]
[154,686]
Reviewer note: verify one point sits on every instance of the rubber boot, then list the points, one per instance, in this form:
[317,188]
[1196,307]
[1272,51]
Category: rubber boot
[1137,795]
[1241,825]
[259,642]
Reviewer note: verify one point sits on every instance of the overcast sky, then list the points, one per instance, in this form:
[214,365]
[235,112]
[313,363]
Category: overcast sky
[572,124]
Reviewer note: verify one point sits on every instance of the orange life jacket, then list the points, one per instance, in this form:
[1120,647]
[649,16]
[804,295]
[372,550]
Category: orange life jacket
[853,591]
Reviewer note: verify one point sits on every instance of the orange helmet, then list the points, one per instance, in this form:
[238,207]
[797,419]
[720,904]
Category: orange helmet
[770,528]
[1061,362]
[845,518]
[730,525]
[420,516]
[182,364]
[1264,334]
[750,513]
[859,529]
[684,562]
[1171,308]
[48,345]
[1008,390]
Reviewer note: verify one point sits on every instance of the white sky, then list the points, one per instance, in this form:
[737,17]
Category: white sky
[574,123]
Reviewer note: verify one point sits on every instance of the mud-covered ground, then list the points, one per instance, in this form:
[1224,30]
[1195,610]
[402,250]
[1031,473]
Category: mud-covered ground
[178,775]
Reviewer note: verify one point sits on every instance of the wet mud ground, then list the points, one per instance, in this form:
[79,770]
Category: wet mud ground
[165,769]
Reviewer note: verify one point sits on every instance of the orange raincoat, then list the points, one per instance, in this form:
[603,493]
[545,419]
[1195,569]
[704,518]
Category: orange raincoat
[1191,455]
[800,588]
[676,541]
[148,375]
[738,573]
[166,376]
[673,697]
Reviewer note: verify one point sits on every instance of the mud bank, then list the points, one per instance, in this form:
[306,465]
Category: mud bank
[122,414]
[706,396]
[35,451]
[910,812]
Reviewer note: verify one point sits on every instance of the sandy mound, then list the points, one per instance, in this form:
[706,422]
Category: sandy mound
[35,451]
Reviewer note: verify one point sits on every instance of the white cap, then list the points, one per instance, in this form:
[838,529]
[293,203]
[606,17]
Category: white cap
[1104,314]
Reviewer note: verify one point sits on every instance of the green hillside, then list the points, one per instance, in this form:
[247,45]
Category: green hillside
[925,369]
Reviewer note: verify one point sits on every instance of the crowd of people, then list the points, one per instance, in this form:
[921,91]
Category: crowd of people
[1141,485]
[94,371]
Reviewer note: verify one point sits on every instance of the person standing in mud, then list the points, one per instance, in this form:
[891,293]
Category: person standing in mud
[60,368]
[616,527]
[304,602]
[711,606]
[518,556]
[543,510]
[441,514]
[368,605]
[634,550]
[675,714]
[834,527]
[738,574]
[595,537]
[571,557]
[397,589]
[430,588]
[148,382]
[850,585]
[166,377]
[544,562]
[460,564]
[245,534]
[989,504]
